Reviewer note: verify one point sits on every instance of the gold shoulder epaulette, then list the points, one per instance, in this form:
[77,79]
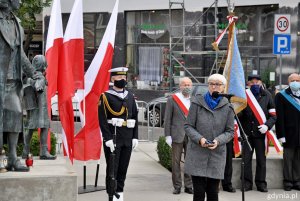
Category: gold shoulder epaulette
[99,102]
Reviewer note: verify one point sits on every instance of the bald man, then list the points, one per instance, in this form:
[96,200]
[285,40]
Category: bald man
[288,131]
[175,116]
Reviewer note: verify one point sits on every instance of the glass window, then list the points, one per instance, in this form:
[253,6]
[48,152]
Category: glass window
[148,26]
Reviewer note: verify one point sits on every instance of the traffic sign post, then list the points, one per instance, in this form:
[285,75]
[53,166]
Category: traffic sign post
[282,24]
[281,44]
[282,38]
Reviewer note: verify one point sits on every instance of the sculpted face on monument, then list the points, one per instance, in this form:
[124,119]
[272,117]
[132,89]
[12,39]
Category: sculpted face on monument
[15,4]
[3,4]
[39,62]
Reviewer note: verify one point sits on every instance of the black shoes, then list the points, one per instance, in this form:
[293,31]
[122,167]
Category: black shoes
[296,188]
[287,188]
[176,191]
[229,189]
[189,190]
[263,189]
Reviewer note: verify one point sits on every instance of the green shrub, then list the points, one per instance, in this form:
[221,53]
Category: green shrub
[164,152]
[35,145]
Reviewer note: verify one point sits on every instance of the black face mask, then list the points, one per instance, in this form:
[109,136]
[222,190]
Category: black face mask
[120,83]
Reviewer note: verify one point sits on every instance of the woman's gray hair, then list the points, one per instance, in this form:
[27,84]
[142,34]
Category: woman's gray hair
[217,77]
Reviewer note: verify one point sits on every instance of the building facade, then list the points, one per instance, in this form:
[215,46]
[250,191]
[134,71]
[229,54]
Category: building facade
[143,36]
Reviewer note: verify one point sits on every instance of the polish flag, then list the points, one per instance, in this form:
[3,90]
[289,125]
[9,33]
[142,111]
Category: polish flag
[70,74]
[87,143]
[53,48]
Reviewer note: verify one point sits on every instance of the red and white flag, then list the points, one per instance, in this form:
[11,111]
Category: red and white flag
[70,74]
[87,143]
[73,46]
[53,48]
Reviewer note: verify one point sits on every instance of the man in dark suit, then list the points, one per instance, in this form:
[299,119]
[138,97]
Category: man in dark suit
[288,131]
[175,116]
[257,133]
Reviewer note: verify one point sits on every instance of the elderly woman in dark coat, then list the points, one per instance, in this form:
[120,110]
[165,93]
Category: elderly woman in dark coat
[209,126]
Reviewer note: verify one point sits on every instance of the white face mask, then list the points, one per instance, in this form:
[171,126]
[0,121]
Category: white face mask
[295,88]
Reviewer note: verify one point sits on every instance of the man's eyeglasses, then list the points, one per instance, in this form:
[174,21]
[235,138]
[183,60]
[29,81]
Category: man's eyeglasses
[215,84]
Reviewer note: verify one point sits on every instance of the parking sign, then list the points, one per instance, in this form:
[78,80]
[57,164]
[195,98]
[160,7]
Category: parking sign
[282,44]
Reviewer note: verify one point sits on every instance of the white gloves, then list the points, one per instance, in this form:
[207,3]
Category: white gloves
[135,143]
[117,122]
[169,140]
[111,145]
[282,140]
[262,128]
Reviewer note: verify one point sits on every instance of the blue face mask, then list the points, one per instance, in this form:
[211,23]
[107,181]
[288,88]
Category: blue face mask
[295,86]
[255,89]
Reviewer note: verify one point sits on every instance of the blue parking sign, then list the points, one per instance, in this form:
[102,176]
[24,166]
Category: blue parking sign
[282,44]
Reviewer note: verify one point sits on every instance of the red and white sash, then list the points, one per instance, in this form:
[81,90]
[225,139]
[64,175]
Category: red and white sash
[184,108]
[261,118]
[237,144]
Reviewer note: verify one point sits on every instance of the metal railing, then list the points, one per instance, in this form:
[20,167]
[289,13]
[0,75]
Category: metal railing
[141,106]
[155,120]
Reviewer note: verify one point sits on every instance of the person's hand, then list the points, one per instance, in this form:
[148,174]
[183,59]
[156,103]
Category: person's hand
[169,140]
[37,75]
[282,140]
[262,129]
[40,84]
[135,143]
[215,144]
[110,144]
[202,142]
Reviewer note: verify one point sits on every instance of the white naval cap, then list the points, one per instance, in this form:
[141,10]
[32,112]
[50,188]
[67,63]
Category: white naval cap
[118,71]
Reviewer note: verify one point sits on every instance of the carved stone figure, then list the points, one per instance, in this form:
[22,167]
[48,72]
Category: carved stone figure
[13,62]
[36,106]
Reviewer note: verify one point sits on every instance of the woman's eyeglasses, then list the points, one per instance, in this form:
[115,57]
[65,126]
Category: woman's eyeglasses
[214,84]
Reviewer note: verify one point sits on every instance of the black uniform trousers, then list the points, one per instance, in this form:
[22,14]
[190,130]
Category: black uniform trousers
[206,185]
[291,167]
[122,158]
[226,182]
[257,144]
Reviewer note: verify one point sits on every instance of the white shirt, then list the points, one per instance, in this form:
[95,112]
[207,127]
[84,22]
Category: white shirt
[184,100]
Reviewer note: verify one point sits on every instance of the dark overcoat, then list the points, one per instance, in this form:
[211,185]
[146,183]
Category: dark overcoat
[288,120]
[249,121]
